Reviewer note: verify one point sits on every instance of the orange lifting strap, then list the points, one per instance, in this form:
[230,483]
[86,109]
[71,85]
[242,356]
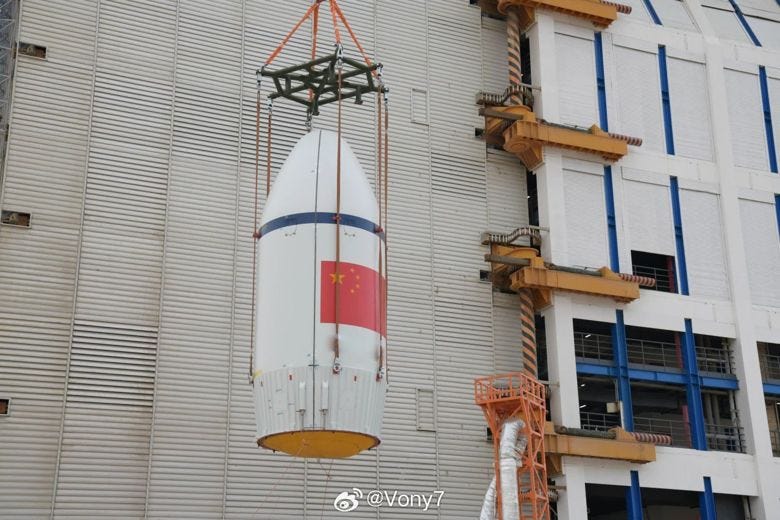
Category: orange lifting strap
[327,80]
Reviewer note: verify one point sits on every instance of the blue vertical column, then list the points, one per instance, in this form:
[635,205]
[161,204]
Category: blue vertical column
[693,389]
[621,361]
[777,211]
[634,498]
[745,24]
[666,100]
[682,265]
[652,11]
[767,107]
[609,194]
[707,510]
[619,347]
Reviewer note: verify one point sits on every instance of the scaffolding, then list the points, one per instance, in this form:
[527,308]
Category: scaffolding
[8,15]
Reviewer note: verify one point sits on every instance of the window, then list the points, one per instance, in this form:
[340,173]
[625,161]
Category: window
[593,341]
[662,410]
[599,409]
[15,218]
[658,267]
[32,50]
[773,415]
[713,354]
[5,407]
[769,359]
[721,422]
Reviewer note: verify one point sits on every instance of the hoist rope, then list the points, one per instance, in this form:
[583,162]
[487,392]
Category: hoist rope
[335,6]
[290,34]
[336,293]
[269,137]
[385,178]
[255,237]
[336,31]
[379,174]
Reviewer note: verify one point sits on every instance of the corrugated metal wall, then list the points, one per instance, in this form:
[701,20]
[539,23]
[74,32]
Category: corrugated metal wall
[748,141]
[577,70]
[647,210]
[586,221]
[45,172]
[705,251]
[149,132]
[759,233]
[690,109]
[638,93]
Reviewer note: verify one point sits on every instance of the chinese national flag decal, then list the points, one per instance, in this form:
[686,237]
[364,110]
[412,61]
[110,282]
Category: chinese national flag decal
[360,294]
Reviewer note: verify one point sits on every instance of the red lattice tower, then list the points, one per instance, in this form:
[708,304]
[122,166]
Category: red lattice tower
[518,395]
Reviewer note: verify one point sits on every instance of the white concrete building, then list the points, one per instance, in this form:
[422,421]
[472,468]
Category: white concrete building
[125,256]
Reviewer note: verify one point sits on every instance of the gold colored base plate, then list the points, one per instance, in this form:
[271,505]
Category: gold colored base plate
[326,444]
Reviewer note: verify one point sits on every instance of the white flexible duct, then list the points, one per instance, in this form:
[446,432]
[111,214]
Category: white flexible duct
[489,504]
[511,448]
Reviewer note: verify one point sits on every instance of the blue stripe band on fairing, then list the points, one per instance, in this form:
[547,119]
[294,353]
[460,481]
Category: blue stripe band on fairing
[321,218]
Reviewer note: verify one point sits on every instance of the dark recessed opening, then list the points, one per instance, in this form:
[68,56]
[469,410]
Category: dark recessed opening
[533,199]
[484,275]
[32,50]
[15,218]
[659,267]
[4,406]
[525,59]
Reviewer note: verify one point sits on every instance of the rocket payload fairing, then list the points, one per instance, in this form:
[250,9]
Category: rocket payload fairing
[311,275]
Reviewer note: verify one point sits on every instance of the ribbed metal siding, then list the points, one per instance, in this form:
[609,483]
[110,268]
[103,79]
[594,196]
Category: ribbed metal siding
[494,55]
[187,468]
[199,450]
[690,109]
[767,31]
[506,333]
[726,25]
[648,214]
[258,484]
[746,118]
[773,86]
[704,248]
[674,14]
[586,223]
[759,234]
[38,265]
[639,97]
[462,304]
[507,198]
[111,372]
[577,86]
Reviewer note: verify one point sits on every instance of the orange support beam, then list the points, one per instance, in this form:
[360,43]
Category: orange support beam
[516,129]
[623,447]
[601,13]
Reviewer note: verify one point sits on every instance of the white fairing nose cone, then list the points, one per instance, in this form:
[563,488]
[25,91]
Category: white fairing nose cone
[309,403]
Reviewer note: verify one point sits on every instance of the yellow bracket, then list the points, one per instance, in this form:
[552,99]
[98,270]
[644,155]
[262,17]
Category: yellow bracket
[516,129]
[523,268]
[600,13]
[623,447]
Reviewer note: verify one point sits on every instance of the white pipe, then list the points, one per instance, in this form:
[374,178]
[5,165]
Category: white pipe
[511,447]
[489,504]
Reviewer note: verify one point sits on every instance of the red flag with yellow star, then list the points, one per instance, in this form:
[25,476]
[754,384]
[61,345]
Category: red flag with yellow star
[360,294]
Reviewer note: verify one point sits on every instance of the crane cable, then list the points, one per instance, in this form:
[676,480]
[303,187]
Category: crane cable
[378,190]
[337,218]
[336,15]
